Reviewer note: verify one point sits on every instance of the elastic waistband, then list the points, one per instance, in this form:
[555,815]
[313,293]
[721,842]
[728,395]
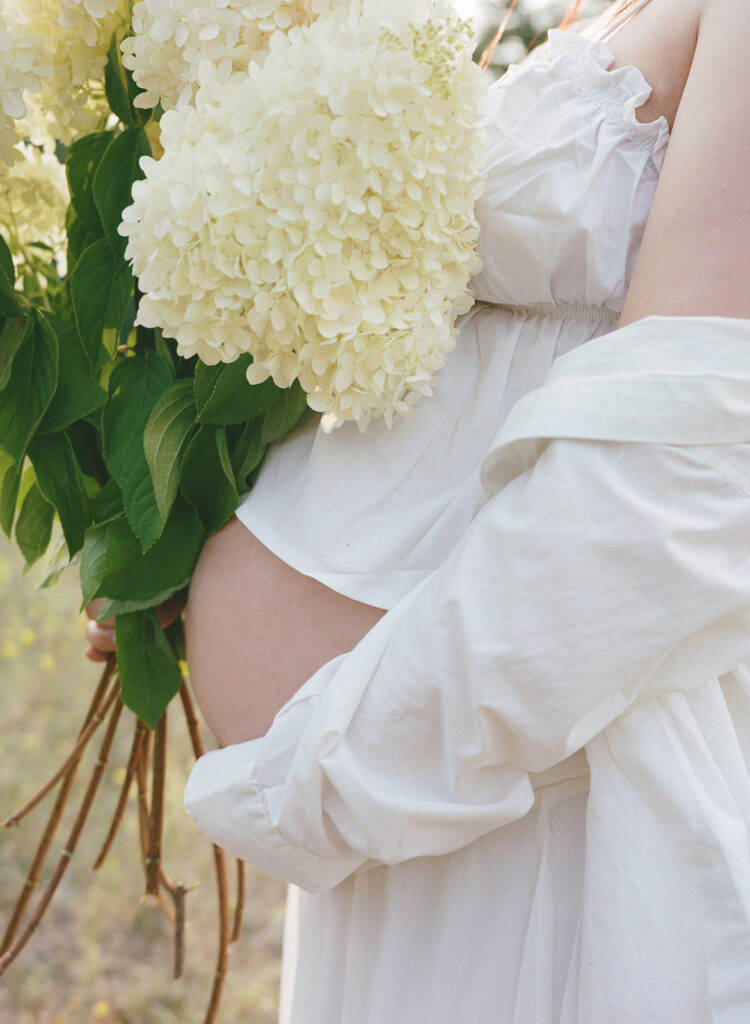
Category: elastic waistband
[558,311]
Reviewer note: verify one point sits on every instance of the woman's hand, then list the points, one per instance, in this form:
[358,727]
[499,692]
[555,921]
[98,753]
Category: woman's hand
[101,635]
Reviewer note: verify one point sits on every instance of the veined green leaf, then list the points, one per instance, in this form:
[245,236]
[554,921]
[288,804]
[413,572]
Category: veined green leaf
[32,383]
[113,182]
[149,671]
[58,562]
[79,390]
[164,439]
[100,288]
[6,262]
[13,334]
[81,165]
[80,237]
[248,453]
[284,413]
[108,503]
[138,383]
[10,482]
[113,565]
[223,395]
[34,526]
[116,82]
[112,608]
[10,304]
[61,482]
[207,477]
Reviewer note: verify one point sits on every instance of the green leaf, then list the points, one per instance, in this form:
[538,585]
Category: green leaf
[100,288]
[61,482]
[113,565]
[58,562]
[248,453]
[175,634]
[93,566]
[80,237]
[284,414]
[207,477]
[10,482]
[112,608]
[6,261]
[138,383]
[149,671]
[113,183]
[164,439]
[34,526]
[116,82]
[81,166]
[223,395]
[87,443]
[13,334]
[79,391]
[9,301]
[129,322]
[32,384]
[108,504]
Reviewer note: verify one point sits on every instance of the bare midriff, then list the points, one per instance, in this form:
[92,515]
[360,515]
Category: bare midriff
[257,630]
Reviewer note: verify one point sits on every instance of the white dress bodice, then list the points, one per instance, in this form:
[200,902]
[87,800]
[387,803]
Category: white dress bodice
[570,176]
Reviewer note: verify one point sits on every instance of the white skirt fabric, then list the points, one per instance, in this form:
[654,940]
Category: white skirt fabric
[487,934]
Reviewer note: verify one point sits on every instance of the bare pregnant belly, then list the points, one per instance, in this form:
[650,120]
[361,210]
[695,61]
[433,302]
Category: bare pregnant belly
[257,630]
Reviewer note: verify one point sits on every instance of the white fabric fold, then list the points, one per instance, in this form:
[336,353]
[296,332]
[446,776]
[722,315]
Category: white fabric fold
[600,601]
[670,380]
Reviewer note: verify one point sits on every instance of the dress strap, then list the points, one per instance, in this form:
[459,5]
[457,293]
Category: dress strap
[621,19]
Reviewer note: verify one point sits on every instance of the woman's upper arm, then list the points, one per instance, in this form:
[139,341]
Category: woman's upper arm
[696,247]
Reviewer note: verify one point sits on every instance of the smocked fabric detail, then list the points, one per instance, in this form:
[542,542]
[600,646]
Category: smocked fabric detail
[617,92]
[610,104]
[558,311]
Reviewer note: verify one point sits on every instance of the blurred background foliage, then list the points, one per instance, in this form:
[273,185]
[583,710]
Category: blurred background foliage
[101,954]
[526,27]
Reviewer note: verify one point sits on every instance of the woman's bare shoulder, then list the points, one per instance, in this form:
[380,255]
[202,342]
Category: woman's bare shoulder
[696,247]
[660,40]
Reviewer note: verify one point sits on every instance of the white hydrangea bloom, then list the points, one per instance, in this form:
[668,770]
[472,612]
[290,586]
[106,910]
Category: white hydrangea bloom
[34,198]
[22,70]
[171,38]
[319,213]
[71,38]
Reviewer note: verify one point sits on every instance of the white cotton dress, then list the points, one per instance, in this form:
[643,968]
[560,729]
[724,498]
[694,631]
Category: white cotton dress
[522,799]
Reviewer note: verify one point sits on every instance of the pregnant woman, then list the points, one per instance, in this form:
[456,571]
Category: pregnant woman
[478,679]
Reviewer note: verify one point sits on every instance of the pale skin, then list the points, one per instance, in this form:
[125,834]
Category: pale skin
[257,629]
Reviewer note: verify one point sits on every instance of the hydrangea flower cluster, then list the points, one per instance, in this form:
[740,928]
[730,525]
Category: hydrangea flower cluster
[171,38]
[34,199]
[22,71]
[319,213]
[71,39]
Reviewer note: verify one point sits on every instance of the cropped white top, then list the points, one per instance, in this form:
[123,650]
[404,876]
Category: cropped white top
[571,174]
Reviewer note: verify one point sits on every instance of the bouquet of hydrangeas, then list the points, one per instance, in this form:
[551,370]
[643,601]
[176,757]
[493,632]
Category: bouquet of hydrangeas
[265,205]
[317,212]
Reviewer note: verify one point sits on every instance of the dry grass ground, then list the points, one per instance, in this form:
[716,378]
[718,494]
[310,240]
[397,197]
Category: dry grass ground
[101,955]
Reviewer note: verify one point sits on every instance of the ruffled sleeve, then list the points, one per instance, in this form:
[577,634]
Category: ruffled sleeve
[610,566]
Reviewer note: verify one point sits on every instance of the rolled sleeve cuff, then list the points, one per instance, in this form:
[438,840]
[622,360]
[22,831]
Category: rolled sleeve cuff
[226,805]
